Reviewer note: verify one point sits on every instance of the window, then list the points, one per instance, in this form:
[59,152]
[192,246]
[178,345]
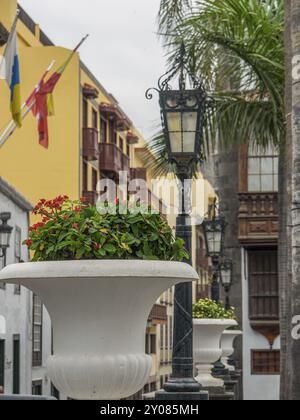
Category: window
[171,332]
[199,243]
[161,328]
[262,169]
[37,388]
[167,332]
[94,179]
[84,176]
[54,392]
[16,364]
[95,119]
[85,114]
[263,285]
[37,331]
[2,362]
[18,252]
[150,343]
[103,130]
[112,132]
[121,144]
[265,362]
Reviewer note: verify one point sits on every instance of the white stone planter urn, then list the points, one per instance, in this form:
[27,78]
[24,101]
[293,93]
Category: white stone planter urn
[207,348]
[227,341]
[99,311]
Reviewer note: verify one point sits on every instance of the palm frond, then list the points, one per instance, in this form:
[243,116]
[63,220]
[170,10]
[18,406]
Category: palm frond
[237,48]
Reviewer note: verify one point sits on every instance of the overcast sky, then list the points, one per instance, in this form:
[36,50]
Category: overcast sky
[123,50]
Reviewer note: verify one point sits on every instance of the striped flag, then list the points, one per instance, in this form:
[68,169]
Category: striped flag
[41,101]
[11,72]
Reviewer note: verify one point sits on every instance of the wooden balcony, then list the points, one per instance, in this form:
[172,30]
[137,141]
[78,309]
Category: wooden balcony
[113,111]
[90,149]
[258,218]
[138,173]
[158,315]
[202,260]
[123,124]
[132,138]
[112,160]
[90,92]
[90,196]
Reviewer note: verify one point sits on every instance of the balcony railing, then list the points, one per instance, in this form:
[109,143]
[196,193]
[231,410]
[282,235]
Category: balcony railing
[158,314]
[112,160]
[90,144]
[90,197]
[258,217]
[90,92]
[258,204]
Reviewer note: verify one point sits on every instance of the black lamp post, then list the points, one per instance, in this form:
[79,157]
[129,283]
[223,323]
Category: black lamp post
[226,279]
[182,113]
[5,234]
[214,233]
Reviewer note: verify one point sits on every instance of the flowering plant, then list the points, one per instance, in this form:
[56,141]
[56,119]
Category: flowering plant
[75,230]
[209,309]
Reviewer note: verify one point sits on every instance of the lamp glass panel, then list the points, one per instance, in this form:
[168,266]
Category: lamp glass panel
[175,131]
[214,242]
[226,276]
[189,126]
[4,239]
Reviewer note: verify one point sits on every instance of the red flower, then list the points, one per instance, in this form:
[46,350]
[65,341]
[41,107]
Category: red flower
[75,225]
[36,226]
[28,242]
[117,201]
[66,216]
[78,209]
[83,199]
[96,246]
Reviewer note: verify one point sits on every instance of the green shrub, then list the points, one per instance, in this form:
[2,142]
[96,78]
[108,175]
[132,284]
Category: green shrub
[73,230]
[208,309]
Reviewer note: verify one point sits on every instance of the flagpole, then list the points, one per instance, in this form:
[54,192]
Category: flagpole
[9,130]
[11,127]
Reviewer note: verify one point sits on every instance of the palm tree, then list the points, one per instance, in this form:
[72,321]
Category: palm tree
[237,46]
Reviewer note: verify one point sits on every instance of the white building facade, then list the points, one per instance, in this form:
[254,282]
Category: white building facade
[25,336]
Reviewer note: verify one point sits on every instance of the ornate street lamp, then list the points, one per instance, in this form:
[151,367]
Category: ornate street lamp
[214,233]
[226,279]
[182,113]
[5,235]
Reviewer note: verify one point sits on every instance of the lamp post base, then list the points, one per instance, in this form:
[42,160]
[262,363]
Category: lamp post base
[219,370]
[182,389]
[182,396]
[219,394]
[182,385]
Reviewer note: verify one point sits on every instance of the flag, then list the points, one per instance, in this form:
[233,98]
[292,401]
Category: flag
[41,101]
[11,72]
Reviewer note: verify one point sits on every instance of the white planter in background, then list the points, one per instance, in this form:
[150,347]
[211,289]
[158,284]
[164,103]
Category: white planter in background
[227,341]
[99,312]
[207,348]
